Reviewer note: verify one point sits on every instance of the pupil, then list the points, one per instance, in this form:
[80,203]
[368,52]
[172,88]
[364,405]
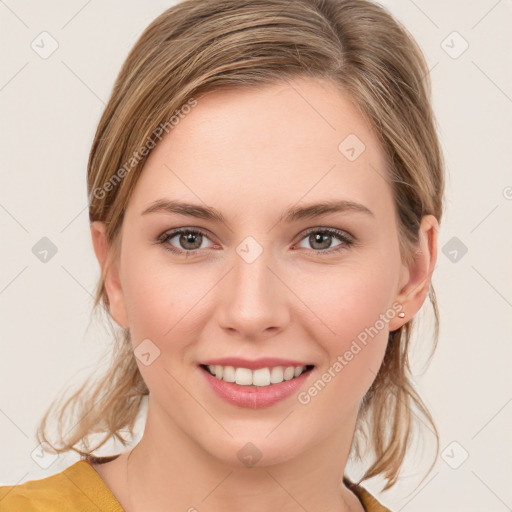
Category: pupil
[190,238]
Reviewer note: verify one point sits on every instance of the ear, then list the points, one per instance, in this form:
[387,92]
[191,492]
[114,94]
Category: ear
[415,277]
[109,264]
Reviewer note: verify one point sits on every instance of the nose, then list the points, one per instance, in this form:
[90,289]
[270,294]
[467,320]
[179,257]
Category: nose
[253,298]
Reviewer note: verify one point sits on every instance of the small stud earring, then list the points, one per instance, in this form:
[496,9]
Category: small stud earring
[401,314]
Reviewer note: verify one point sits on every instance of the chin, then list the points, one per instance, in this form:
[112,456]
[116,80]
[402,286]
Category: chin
[254,451]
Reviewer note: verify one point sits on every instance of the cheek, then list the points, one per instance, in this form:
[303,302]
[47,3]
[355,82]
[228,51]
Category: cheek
[159,306]
[347,299]
[150,303]
[351,324]
[164,303]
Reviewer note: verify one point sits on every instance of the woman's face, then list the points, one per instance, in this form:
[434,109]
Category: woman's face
[275,279]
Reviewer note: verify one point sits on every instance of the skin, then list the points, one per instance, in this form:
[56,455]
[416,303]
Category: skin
[251,154]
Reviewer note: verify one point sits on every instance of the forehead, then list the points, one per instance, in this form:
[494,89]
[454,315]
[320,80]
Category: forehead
[273,145]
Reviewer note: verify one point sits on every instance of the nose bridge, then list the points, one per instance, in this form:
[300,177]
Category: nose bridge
[253,299]
[253,281]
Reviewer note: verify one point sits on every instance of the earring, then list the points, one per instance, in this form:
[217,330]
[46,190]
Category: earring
[401,314]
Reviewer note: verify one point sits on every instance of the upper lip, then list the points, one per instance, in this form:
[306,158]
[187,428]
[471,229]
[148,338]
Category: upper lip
[264,362]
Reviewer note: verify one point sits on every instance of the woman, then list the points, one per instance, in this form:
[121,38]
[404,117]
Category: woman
[266,189]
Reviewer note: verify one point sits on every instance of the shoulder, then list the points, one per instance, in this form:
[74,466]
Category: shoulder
[78,488]
[368,501]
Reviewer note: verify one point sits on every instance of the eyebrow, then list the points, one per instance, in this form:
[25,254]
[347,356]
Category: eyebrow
[292,214]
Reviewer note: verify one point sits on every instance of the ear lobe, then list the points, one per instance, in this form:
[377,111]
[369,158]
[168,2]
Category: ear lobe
[415,290]
[108,259]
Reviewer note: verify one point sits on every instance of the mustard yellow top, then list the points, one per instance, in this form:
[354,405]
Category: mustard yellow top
[79,488]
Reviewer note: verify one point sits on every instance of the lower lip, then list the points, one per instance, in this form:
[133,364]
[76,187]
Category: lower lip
[254,397]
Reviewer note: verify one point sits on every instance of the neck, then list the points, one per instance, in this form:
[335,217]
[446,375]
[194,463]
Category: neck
[179,475]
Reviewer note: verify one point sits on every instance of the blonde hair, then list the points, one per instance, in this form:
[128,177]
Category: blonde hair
[198,46]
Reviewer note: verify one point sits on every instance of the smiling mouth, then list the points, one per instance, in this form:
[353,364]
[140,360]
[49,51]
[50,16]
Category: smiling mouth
[261,377]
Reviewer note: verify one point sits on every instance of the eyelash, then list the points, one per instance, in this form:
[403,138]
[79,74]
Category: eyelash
[347,240]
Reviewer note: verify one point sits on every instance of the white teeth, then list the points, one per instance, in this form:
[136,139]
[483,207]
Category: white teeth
[243,376]
[261,377]
[229,374]
[276,375]
[289,373]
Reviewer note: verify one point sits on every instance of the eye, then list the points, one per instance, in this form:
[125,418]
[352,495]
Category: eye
[187,240]
[320,239]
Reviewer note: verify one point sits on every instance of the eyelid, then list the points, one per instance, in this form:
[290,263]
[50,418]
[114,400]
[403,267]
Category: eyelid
[171,233]
[325,229]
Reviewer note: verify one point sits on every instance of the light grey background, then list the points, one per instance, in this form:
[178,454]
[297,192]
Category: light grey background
[49,111]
